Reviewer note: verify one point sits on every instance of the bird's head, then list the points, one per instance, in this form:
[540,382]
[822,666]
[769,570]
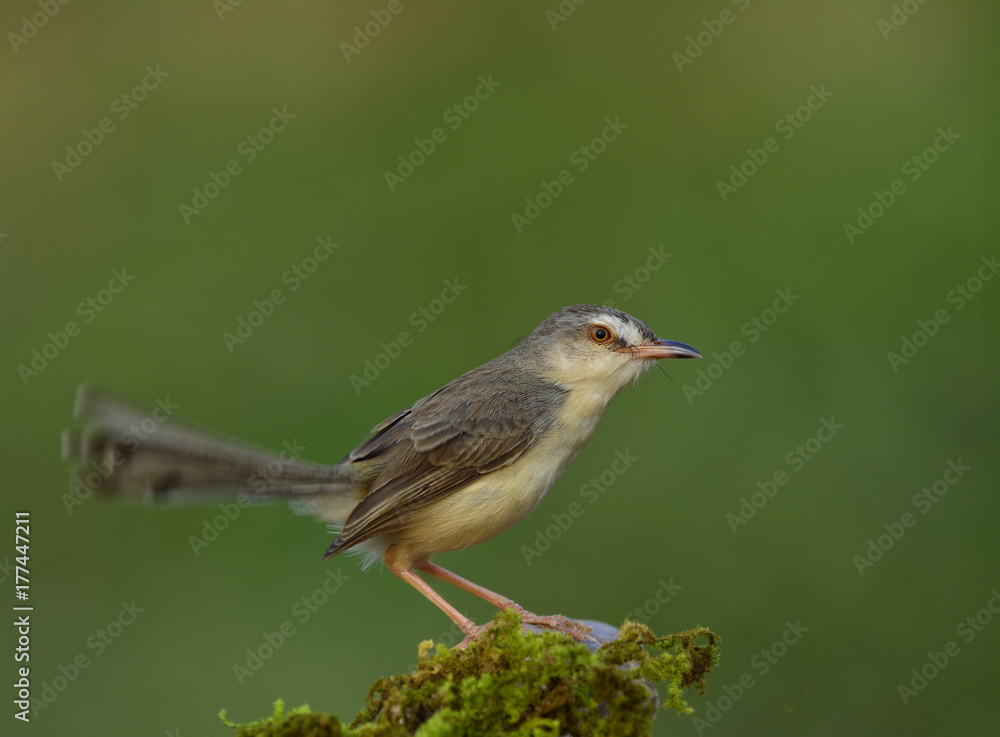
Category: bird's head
[600,349]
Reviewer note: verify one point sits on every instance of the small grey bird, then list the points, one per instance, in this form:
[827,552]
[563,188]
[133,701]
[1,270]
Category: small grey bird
[453,470]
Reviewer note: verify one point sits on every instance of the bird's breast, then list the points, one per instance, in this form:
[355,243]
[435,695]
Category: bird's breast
[498,500]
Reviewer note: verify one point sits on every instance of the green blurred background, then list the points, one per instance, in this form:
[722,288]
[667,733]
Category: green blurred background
[887,90]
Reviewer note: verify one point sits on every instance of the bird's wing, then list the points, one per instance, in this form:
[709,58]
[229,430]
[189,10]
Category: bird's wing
[425,454]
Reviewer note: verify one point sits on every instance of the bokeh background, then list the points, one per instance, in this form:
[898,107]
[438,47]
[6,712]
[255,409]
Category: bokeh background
[890,76]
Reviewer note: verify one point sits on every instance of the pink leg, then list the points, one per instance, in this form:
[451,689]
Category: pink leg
[556,622]
[467,626]
[500,602]
[400,567]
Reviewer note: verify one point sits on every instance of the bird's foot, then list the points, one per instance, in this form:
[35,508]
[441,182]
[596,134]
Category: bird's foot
[556,622]
[472,633]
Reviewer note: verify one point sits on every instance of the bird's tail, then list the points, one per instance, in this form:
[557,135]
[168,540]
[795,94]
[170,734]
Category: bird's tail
[125,449]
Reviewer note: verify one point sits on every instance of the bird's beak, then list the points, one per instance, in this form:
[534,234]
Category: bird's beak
[660,349]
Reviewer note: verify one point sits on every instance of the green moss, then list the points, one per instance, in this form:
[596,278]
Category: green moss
[297,723]
[514,683]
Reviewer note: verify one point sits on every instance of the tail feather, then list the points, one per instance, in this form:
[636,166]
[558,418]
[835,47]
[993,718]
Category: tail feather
[124,448]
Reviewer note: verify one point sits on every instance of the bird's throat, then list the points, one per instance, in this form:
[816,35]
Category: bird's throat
[576,420]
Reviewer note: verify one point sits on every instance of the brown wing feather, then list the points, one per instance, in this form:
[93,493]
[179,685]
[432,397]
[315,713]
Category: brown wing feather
[429,461]
[478,423]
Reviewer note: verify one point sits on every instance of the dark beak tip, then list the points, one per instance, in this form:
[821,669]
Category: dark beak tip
[683,350]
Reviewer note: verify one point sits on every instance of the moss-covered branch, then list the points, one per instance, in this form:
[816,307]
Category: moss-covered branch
[510,682]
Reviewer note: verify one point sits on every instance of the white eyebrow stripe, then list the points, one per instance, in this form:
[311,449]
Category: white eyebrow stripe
[622,328]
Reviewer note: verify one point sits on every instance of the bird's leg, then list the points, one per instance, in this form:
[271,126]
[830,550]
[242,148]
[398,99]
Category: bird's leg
[556,622]
[470,628]
[400,564]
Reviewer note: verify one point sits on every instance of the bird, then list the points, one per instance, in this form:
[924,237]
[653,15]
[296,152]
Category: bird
[454,469]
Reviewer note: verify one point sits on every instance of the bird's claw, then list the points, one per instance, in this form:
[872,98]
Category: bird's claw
[552,622]
[472,634]
[559,623]
[556,622]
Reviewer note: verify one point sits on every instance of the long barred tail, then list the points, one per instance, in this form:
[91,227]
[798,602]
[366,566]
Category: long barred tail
[129,450]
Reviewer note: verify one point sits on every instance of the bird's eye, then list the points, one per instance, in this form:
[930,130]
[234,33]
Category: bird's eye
[600,334]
